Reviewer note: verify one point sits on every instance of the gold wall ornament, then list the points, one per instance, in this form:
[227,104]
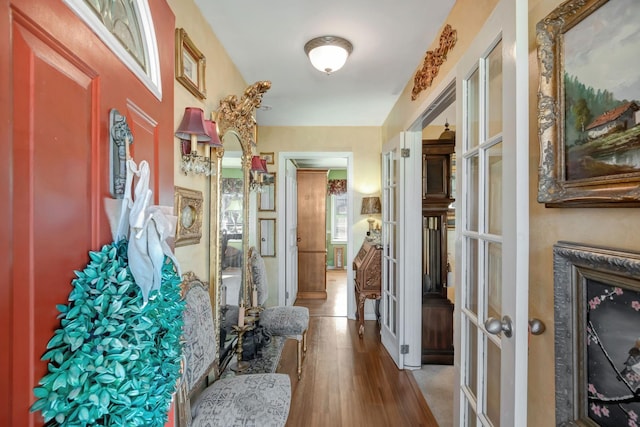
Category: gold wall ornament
[433,60]
[188,208]
[237,114]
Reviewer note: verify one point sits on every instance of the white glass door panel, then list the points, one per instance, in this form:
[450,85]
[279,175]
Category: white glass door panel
[493,216]
[390,331]
[401,331]
[291,192]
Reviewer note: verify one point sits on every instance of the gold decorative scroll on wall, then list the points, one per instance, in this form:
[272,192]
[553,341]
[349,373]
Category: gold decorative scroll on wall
[433,60]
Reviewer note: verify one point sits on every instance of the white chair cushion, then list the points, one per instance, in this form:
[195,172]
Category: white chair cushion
[255,400]
[290,321]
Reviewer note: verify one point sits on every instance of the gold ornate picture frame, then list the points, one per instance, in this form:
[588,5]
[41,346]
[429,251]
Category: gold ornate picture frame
[188,209]
[190,65]
[589,105]
[267,233]
[268,157]
[267,197]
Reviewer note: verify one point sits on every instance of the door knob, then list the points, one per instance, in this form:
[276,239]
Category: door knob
[536,326]
[495,326]
[298,240]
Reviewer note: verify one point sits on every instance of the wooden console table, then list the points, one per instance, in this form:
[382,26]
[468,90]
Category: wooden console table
[367,267]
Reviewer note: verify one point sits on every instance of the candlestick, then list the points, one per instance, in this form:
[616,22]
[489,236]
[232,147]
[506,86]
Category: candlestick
[240,364]
[241,315]
[194,143]
[254,297]
[223,295]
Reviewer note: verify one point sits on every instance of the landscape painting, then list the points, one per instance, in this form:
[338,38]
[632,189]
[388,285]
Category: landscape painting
[601,80]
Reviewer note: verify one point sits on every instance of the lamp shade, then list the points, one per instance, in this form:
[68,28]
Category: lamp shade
[212,130]
[371,205]
[328,53]
[193,125]
[257,165]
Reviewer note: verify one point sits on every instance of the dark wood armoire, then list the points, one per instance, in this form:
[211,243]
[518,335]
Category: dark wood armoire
[437,309]
[312,229]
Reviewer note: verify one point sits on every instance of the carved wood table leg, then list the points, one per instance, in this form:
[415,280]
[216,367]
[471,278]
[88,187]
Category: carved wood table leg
[361,299]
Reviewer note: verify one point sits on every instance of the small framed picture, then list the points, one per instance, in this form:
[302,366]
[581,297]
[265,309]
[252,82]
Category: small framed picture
[188,209]
[268,157]
[267,197]
[190,65]
[267,235]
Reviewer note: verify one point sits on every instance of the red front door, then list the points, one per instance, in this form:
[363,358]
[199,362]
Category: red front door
[59,82]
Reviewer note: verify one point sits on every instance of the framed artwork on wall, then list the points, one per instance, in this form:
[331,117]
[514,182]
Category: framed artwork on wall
[267,233]
[188,208]
[589,105]
[190,65]
[267,197]
[268,157]
[597,348]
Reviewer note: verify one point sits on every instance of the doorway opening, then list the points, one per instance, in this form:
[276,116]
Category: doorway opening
[437,125]
[337,279]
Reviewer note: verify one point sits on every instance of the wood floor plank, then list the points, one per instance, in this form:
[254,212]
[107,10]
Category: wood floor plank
[348,380]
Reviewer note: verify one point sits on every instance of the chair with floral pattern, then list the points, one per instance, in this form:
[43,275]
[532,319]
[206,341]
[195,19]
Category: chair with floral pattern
[288,321]
[204,400]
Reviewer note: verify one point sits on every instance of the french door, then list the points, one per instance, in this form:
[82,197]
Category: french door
[291,192]
[493,192]
[401,216]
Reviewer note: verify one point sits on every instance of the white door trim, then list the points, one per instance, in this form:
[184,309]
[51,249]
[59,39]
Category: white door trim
[283,157]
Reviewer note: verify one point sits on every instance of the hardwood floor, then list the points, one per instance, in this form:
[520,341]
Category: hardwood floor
[348,380]
[336,302]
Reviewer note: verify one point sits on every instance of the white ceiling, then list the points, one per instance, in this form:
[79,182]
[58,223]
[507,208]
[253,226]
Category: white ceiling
[265,40]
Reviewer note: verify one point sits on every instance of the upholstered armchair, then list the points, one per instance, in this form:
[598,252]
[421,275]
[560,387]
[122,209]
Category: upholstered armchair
[242,400]
[288,321]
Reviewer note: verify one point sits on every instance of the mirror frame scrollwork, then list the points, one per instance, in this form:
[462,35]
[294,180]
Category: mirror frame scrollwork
[236,116]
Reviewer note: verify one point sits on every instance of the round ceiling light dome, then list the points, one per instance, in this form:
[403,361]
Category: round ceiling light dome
[328,53]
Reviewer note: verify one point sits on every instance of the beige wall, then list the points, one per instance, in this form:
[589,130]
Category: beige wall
[599,226]
[466,18]
[594,226]
[221,79]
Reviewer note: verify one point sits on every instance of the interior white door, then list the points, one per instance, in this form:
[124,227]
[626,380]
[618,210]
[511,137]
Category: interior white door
[401,251]
[391,330]
[291,219]
[493,218]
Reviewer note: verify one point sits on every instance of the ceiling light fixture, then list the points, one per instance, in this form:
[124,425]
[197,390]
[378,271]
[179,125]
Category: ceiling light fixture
[328,53]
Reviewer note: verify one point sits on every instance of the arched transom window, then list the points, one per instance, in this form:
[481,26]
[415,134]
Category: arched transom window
[126,27]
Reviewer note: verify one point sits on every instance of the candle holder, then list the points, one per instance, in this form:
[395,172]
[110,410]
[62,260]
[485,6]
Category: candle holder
[255,311]
[240,365]
[223,310]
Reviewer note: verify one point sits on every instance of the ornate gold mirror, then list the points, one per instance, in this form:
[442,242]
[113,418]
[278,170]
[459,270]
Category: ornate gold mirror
[230,188]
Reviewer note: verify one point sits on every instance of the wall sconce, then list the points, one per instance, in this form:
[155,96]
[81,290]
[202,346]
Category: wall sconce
[194,130]
[258,170]
[371,206]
